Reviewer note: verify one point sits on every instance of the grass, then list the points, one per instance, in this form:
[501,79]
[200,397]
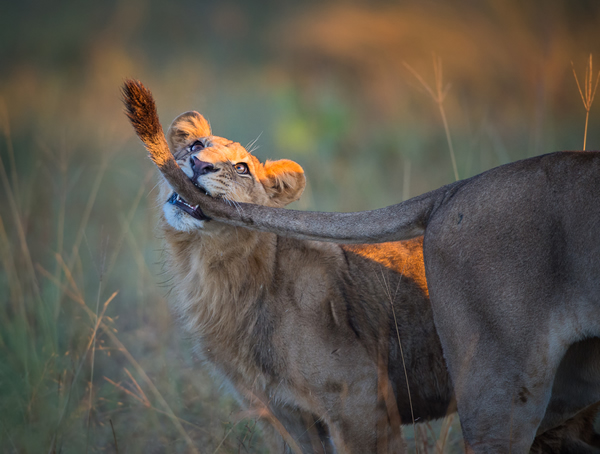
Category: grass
[438,95]
[588,93]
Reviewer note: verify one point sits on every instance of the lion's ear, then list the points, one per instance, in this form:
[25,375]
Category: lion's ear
[284,181]
[186,125]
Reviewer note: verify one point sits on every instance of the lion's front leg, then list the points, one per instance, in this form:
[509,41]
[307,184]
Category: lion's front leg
[363,418]
[307,430]
[289,429]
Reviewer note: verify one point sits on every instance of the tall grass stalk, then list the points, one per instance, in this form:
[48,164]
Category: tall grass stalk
[112,427]
[440,446]
[386,285]
[55,359]
[93,359]
[406,180]
[438,95]
[88,210]
[4,121]
[587,94]
[157,394]
[28,302]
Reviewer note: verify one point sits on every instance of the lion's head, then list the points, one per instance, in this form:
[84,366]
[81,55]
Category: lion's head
[223,169]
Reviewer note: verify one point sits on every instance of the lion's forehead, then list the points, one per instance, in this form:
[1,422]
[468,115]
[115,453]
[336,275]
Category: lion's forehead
[217,153]
[223,150]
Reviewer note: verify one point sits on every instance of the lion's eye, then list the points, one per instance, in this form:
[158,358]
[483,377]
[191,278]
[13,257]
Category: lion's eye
[241,168]
[196,146]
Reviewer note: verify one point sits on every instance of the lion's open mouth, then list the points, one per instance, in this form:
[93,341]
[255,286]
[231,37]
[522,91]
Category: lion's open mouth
[193,211]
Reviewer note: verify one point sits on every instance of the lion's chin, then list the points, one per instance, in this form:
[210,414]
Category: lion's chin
[193,211]
[180,220]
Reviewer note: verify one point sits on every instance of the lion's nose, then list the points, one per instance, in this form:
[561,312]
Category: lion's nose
[201,167]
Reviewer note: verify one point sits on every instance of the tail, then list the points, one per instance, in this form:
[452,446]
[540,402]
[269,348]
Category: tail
[393,223]
[141,111]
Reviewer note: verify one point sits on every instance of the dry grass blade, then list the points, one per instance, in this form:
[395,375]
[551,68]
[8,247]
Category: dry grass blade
[74,288]
[114,436]
[588,93]
[142,399]
[233,426]
[97,324]
[125,228]
[5,125]
[406,180]
[391,298]
[439,95]
[421,439]
[444,432]
[146,402]
[258,408]
[138,387]
[10,268]
[71,294]
[88,210]
[93,360]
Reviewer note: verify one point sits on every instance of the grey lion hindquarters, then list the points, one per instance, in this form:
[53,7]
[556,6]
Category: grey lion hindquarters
[518,278]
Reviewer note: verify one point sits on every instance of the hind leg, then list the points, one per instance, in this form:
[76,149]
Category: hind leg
[503,337]
[577,382]
[363,421]
[574,436]
[500,413]
[502,372]
[491,426]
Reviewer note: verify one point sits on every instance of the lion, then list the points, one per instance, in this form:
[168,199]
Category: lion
[334,345]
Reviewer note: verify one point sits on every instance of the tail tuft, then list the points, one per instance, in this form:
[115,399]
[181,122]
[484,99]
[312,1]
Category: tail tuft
[141,110]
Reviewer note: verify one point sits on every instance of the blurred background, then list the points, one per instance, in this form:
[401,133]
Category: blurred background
[90,356]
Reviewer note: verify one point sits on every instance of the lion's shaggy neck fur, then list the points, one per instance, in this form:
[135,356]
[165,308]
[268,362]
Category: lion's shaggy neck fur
[220,276]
